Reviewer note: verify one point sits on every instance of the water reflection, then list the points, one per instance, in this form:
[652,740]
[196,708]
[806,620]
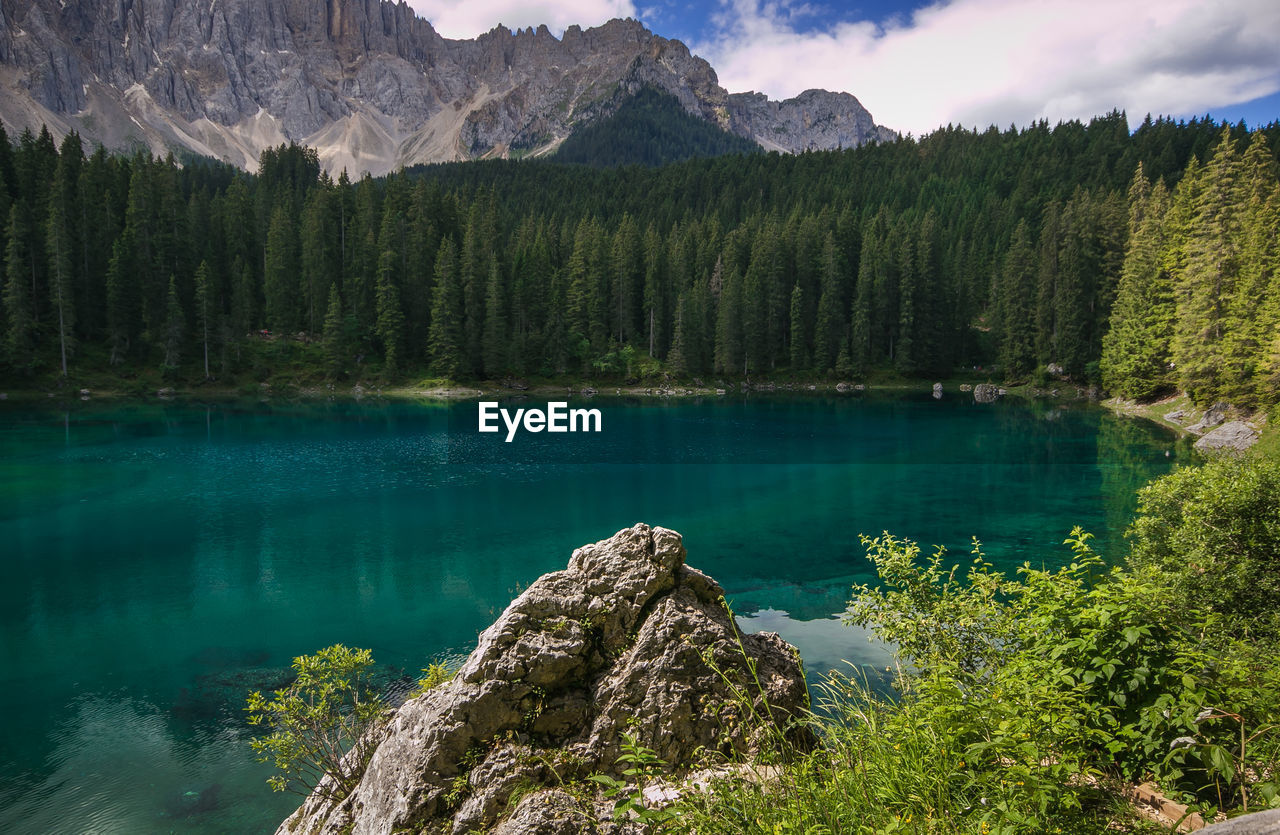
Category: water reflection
[161,560]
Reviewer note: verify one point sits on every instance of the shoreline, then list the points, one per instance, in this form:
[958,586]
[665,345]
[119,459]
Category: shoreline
[449,392]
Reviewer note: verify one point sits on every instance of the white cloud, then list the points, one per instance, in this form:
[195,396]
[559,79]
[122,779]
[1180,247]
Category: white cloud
[468,18]
[979,62]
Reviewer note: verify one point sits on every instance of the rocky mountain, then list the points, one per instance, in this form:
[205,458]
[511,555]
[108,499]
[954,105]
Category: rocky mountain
[366,82]
[627,639]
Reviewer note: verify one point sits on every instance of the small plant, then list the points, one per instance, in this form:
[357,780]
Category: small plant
[318,722]
[643,764]
[433,675]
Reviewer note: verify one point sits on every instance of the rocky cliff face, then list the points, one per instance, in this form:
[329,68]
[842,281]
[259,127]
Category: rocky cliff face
[627,639]
[367,82]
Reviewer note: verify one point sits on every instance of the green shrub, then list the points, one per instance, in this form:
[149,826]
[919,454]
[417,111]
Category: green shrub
[1214,533]
[319,722]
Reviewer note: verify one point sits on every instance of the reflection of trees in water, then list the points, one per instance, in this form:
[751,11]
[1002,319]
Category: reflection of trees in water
[1131,452]
[119,765]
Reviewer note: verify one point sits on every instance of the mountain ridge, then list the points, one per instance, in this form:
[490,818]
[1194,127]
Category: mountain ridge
[368,83]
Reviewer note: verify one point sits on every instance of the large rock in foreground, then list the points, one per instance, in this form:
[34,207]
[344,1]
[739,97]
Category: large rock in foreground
[628,639]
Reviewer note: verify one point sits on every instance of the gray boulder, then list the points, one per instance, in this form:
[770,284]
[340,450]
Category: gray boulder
[1259,823]
[986,393]
[1235,436]
[1213,416]
[627,639]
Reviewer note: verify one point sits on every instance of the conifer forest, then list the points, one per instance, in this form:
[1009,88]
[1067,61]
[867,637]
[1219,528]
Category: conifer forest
[1142,261]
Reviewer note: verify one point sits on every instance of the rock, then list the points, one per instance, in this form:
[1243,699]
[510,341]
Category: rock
[549,812]
[369,84]
[860,387]
[1213,416]
[165,392]
[626,639]
[986,393]
[1259,823]
[843,387]
[937,391]
[1235,436]
[1055,369]
[966,388]
[1175,416]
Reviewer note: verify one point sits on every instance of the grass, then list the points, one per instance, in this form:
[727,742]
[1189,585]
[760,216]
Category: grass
[1157,410]
[889,766]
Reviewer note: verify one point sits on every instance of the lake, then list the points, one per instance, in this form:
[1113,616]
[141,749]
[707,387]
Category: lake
[162,559]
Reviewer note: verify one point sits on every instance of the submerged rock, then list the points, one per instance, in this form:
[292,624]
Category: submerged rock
[627,639]
[937,391]
[1235,436]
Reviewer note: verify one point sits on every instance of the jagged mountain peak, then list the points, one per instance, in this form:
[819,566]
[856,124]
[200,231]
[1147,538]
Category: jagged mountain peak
[367,82]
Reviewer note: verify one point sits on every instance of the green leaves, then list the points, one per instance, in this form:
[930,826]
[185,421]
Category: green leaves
[1084,668]
[318,723]
[643,764]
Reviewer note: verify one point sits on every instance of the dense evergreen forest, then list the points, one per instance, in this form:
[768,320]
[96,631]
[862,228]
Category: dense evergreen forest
[1006,250]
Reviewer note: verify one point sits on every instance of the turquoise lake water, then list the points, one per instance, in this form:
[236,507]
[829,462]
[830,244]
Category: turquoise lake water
[161,560]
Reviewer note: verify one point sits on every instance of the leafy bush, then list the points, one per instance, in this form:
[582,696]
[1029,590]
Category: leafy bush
[319,722]
[1213,532]
[1025,702]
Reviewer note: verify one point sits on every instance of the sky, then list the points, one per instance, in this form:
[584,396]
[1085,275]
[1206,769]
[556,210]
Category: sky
[917,66]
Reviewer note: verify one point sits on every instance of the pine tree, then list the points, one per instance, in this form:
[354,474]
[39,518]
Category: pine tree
[280,273]
[321,256]
[1135,350]
[334,337]
[676,358]
[446,335]
[20,330]
[495,323]
[799,356]
[728,346]
[174,328]
[1267,358]
[1210,269]
[204,309]
[627,279]
[1017,313]
[906,358]
[1246,334]
[857,350]
[829,327]
[390,323]
[655,291]
[61,250]
[123,318]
